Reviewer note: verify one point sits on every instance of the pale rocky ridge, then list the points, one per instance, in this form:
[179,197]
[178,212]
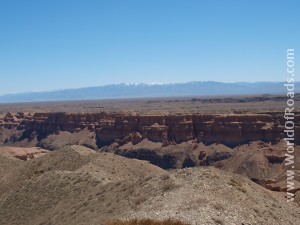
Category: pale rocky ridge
[76,185]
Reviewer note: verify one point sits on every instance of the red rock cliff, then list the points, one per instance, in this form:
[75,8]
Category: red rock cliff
[230,129]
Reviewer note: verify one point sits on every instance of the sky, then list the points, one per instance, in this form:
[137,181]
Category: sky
[60,44]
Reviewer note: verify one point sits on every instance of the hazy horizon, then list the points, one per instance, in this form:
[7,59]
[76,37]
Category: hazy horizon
[112,84]
[121,91]
[53,45]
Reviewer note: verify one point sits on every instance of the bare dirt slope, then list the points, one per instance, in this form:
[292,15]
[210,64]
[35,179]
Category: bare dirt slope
[23,153]
[75,185]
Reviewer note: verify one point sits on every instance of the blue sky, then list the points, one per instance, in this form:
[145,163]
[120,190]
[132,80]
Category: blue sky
[59,44]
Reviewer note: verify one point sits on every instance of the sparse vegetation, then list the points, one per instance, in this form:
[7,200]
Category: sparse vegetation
[72,182]
[219,221]
[146,222]
[215,176]
[169,185]
[218,206]
[140,200]
[165,176]
[148,178]
[238,184]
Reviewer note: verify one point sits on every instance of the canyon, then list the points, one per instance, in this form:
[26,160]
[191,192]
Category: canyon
[249,144]
[137,158]
[228,129]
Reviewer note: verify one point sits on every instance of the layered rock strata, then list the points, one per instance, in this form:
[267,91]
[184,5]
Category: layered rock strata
[230,129]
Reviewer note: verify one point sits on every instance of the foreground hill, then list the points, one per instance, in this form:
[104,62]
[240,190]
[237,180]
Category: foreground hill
[75,185]
[146,90]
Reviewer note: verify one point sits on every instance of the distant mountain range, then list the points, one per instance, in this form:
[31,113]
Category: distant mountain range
[114,91]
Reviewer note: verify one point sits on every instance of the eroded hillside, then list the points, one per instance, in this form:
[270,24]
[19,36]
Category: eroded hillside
[76,185]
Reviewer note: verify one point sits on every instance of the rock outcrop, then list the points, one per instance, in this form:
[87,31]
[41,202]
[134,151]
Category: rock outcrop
[23,153]
[230,130]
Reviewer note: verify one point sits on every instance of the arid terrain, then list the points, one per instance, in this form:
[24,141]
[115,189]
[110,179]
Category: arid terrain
[213,160]
[194,104]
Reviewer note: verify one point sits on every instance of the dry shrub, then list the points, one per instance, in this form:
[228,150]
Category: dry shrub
[168,186]
[165,176]
[194,203]
[218,206]
[149,177]
[146,222]
[214,175]
[140,200]
[219,165]
[219,221]
[238,184]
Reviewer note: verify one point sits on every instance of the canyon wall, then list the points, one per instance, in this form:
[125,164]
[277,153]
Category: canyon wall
[228,129]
